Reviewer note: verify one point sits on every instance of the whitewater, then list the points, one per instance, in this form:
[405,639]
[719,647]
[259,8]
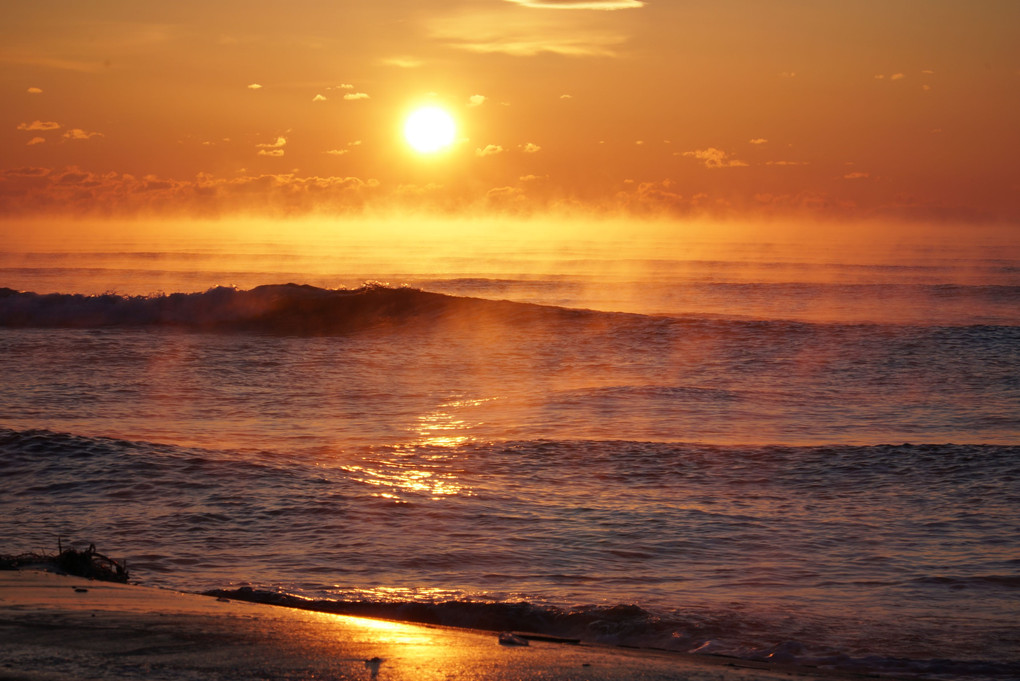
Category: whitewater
[798,459]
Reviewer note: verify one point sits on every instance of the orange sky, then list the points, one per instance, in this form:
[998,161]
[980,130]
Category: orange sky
[728,108]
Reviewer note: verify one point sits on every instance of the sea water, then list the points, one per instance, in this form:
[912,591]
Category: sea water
[808,460]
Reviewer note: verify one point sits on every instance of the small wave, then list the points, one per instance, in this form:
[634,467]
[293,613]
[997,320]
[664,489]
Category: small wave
[977,581]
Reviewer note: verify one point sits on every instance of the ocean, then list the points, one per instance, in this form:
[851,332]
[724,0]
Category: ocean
[809,456]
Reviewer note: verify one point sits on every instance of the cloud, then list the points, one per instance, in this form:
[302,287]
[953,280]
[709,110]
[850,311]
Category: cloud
[604,5]
[531,148]
[346,86]
[489,150]
[758,140]
[512,199]
[897,76]
[79,134]
[566,96]
[788,74]
[714,158]
[34,91]
[39,125]
[524,36]
[71,190]
[35,140]
[476,100]
[254,86]
[58,192]
[318,98]
[520,46]
[856,175]
[786,163]
[351,96]
[274,149]
[403,62]
[341,152]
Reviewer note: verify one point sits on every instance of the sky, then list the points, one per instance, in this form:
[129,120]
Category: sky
[734,109]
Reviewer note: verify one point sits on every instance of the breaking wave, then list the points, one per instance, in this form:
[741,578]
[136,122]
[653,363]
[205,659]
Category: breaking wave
[718,633]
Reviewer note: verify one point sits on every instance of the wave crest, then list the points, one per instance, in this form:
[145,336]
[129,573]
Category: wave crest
[297,309]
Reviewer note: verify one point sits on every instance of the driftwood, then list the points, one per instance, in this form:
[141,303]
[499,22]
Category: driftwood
[88,563]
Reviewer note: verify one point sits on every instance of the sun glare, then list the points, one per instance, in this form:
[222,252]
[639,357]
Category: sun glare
[429,129]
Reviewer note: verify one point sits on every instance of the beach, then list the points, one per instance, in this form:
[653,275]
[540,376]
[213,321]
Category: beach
[56,627]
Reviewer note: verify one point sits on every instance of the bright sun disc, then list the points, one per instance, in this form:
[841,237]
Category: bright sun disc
[429,129]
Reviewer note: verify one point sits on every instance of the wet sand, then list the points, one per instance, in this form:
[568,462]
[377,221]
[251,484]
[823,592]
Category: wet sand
[54,627]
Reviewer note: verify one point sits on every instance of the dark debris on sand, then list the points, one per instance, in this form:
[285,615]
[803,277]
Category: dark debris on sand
[88,563]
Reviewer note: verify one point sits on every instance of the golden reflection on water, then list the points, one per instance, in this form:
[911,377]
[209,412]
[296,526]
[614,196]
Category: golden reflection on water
[381,649]
[383,631]
[421,467]
[442,428]
[394,477]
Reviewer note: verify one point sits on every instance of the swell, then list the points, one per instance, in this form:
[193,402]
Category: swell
[293,309]
[305,310]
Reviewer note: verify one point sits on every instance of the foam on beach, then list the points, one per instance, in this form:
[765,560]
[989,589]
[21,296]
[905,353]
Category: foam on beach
[70,628]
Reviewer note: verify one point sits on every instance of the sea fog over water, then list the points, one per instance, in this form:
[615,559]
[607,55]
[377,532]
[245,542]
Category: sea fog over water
[754,449]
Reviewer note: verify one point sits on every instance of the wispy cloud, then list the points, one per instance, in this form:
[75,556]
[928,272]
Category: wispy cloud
[604,5]
[36,190]
[489,150]
[522,46]
[714,158]
[35,140]
[402,62]
[274,149]
[79,134]
[476,100]
[758,140]
[531,148]
[344,150]
[353,96]
[39,125]
[527,36]
[318,98]
[857,175]
[34,91]
[254,86]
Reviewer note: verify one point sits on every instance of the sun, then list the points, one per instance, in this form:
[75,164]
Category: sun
[429,129]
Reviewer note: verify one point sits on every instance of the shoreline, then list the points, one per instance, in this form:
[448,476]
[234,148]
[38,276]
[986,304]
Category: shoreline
[56,627]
